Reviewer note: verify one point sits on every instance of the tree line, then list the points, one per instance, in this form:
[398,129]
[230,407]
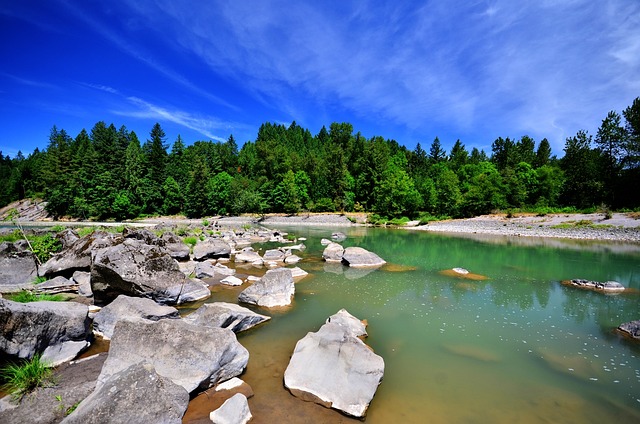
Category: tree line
[108,173]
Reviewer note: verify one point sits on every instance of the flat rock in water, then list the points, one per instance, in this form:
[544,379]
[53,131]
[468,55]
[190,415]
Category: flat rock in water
[195,357]
[232,281]
[126,307]
[334,368]
[135,394]
[292,259]
[338,237]
[298,273]
[226,315]
[358,257]
[607,287]
[275,288]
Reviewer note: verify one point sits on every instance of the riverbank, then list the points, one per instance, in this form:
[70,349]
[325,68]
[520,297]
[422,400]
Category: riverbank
[620,227]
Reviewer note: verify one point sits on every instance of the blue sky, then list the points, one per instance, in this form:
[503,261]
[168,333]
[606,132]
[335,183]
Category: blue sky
[409,70]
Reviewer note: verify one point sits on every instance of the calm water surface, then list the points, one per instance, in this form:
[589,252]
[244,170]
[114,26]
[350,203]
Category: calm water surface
[515,348]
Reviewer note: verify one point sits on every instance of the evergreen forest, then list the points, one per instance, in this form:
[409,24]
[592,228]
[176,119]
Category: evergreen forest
[108,173]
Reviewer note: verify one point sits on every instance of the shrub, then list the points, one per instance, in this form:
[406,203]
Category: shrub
[44,246]
[205,222]
[20,379]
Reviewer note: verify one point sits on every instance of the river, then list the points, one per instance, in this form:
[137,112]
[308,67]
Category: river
[516,347]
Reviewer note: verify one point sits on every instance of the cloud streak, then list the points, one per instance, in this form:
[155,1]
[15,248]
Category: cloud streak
[203,125]
[547,68]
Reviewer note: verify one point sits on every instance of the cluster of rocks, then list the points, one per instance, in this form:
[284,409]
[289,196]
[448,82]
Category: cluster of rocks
[355,257]
[158,360]
[607,287]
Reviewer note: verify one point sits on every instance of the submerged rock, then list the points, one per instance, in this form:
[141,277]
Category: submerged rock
[338,236]
[631,328]
[275,288]
[334,368]
[607,287]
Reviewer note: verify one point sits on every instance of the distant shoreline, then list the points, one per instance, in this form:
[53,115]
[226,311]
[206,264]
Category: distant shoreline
[620,227]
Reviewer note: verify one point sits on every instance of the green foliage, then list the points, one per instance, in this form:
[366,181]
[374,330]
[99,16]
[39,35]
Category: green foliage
[190,241]
[26,296]
[11,237]
[44,246]
[107,174]
[58,228]
[20,379]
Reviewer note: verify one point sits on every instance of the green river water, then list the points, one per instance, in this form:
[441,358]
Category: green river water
[516,348]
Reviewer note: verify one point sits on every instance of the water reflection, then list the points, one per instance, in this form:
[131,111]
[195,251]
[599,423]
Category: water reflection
[515,347]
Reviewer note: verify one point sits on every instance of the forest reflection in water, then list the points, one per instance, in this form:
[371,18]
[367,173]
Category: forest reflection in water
[517,346]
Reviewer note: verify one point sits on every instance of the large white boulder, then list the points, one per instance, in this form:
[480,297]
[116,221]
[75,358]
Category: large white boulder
[334,368]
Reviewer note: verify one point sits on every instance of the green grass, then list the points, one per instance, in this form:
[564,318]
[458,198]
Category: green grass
[20,379]
[83,231]
[44,246]
[26,296]
[190,241]
[426,218]
[11,237]
[57,228]
[583,223]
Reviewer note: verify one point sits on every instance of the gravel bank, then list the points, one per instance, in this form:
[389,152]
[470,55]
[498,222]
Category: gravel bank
[619,228]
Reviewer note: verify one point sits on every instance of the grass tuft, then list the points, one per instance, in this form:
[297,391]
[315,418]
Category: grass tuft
[20,379]
[27,296]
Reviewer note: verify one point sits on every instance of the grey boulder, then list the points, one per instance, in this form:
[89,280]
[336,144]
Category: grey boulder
[77,257]
[135,394]
[334,368]
[275,288]
[226,315]
[18,268]
[357,257]
[333,252]
[211,248]
[139,269]
[194,357]
[125,307]
[57,330]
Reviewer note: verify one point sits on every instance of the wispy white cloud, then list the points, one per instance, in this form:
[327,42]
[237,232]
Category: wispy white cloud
[482,68]
[206,126]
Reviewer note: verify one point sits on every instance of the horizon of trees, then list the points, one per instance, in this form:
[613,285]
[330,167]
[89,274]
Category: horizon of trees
[109,173]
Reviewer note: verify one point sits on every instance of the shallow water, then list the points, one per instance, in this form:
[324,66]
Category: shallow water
[517,347]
